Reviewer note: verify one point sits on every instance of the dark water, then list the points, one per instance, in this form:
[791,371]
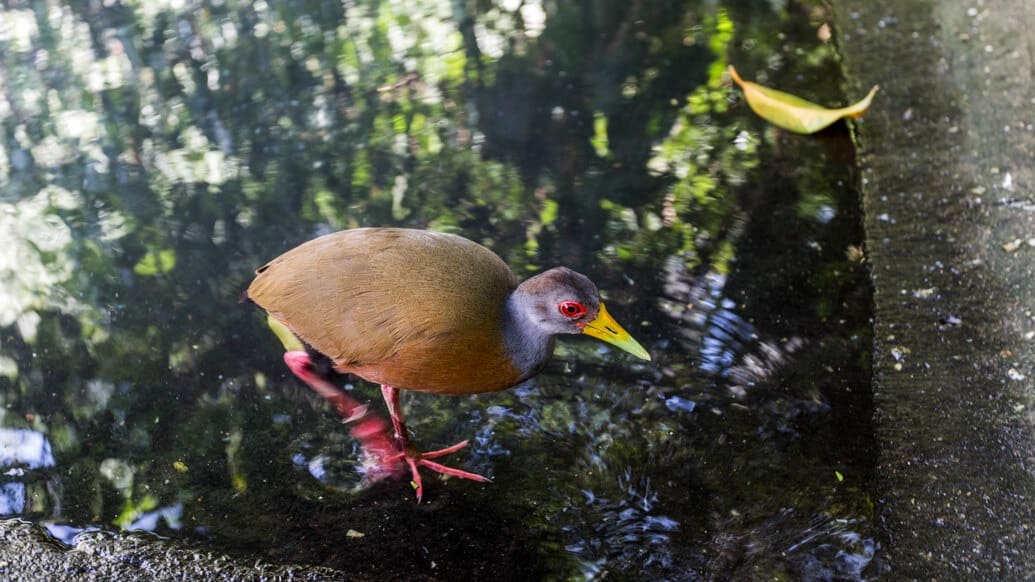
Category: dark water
[154,154]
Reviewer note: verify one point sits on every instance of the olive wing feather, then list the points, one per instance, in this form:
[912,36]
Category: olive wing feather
[365,296]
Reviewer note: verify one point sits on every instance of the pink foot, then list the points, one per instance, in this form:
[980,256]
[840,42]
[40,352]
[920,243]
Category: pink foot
[381,458]
[414,458]
[417,459]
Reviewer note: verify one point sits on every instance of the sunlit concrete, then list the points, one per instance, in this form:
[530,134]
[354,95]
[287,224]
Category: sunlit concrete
[947,170]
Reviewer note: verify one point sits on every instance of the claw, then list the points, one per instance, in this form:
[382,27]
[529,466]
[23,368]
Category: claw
[358,413]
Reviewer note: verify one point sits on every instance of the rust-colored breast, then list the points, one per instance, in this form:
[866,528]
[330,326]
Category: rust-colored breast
[409,308]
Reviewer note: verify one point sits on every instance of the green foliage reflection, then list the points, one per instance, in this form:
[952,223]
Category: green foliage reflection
[155,153]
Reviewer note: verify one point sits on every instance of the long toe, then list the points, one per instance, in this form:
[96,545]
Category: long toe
[445,451]
[439,468]
[416,459]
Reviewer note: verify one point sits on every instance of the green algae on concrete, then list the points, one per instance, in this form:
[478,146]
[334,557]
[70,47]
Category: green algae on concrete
[947,168]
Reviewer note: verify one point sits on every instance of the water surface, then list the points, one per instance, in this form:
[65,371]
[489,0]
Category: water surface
[155,154]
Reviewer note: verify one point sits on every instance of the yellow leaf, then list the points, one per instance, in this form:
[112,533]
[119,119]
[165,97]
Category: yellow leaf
[794,113]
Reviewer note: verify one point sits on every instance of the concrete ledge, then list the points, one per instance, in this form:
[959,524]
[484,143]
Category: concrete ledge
[947,164]
[29,553]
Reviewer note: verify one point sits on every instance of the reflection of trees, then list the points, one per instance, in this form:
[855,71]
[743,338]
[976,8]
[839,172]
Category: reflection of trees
[153,154]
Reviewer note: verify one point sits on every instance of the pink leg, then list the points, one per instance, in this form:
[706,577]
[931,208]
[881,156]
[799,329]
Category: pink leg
[415,458]
[391,396]
[381,456]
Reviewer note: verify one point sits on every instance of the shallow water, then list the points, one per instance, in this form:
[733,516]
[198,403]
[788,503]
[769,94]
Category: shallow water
[155,155]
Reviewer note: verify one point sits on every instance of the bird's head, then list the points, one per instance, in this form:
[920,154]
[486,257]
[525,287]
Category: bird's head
[563,301]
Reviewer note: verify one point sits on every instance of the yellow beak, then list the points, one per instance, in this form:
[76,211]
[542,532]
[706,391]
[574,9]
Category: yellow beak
[605,328]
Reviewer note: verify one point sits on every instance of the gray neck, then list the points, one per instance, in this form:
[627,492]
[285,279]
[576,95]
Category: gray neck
[528,344]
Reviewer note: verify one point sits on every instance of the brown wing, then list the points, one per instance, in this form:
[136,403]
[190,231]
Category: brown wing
[409,308]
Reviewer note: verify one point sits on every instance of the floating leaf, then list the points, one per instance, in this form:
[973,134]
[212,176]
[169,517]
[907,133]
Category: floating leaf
[794,113]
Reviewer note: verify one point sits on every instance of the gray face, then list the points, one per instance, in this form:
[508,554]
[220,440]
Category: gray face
[561,300]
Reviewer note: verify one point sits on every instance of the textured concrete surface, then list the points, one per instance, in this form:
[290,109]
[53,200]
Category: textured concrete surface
[948,172]
[28,553]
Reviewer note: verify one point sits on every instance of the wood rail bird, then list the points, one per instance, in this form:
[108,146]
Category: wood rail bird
[425,311]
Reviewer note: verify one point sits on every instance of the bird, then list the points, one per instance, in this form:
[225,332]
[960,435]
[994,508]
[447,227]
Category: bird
[424,311]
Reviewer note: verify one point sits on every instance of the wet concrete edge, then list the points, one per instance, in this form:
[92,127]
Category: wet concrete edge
[948,172]
[29,553]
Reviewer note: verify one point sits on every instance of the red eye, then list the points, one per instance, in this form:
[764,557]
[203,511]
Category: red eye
[572,309]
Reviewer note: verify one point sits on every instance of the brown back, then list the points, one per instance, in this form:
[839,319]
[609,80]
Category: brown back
[413,309]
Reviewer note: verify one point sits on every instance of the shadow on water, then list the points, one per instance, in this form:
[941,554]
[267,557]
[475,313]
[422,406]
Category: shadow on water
[153,155]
